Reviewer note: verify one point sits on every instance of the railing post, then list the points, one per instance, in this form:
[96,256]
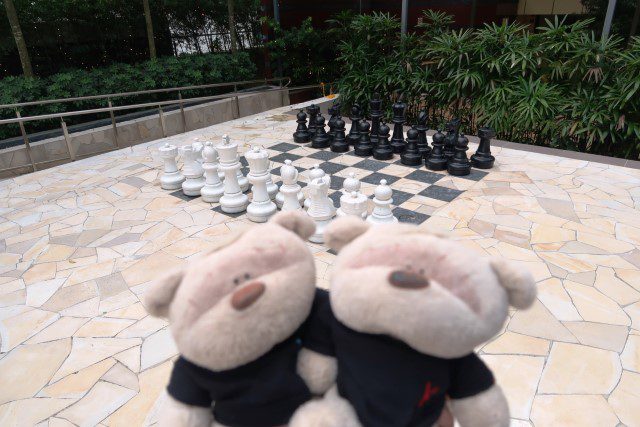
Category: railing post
[72,155]
[25,138]
[162,126]
[184,118]
[113,123]
[235,91]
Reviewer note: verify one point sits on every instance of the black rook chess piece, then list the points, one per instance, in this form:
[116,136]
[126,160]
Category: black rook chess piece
[383,150]
[363,147]
[411,155]
[483,158]
[301,135]
[312,110]
[459,165]
[376,114]
[334,111]
[450,141]
[421,127]
[354,135]
[339,143]
[320,139]
[397,140]
[437,161]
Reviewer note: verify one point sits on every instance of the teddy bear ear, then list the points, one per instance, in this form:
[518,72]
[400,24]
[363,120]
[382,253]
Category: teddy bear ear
[518,283]
[343,230]
[295,221]
[157,299]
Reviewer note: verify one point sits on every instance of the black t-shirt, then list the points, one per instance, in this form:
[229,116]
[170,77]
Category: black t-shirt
[263,393]
[387,382]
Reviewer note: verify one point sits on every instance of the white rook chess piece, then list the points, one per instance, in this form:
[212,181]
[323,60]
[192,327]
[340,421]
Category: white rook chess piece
[321,209]
[213,188]
[280,195]
[233,200]
[171,179]
[316,173]
[353,202]
[290,190]
[192,170]
[242,180]
[261,207]
[382,200]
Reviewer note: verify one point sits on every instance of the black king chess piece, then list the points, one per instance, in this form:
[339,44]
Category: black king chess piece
[483,158]
[339,143]
[363,147]
[437,161]
[334,111]
[376,114]
[421,127]
[397,140]
[320,139]
[301,135]
[450,141]
[354,135]
[383,150]
[312,110]
[459,165]
[411,155]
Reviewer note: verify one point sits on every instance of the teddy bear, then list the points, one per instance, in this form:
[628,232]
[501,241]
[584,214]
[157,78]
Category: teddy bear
[235,315]
[405,310]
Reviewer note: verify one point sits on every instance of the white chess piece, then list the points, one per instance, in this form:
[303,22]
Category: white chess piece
[213,188]
[280,196]
[290,189]
[192,170]
[233,200]
[321,209]
[261,207]
[171,179]
[243,182]
[316,173]
[353,202]
[382,200]
[272,189]
[197,142]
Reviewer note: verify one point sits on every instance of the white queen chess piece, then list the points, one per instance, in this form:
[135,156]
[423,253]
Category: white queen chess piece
[290,190]
[213,188]
[261,207]
[321,209]
[382,200]
[353,202]
[233,200]
[192,170]
[171,179]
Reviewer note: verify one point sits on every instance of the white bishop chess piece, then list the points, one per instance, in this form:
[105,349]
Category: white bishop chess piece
[321,209]
[261,207]
[213,188]
[382,201]
[171,179]
[233,200]
[280,196]
[192,170]
[316,173]
[353,202]
[290,190]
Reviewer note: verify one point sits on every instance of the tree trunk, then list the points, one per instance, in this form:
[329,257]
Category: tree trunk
[634,22]
[12,15]
[147,18]
[232,26]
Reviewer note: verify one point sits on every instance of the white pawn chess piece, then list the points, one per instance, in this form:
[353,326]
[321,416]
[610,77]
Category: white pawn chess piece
[280,196]
[242,180]
[321,209]
[290,190]
[382,200]
[213,188]
[192,170]
[233,200]
[353,202]
[171,179]
[316,173]
[261,207]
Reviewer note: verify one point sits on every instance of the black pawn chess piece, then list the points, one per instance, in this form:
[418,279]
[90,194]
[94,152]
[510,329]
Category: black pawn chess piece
[383,150]
[483,158]
[321,139]
[421,127]
[411,155]
[437,161]
[363,147]
[397,140]
[334,111]
[376,115]
[312,110]
[450,141]
[459,165]
[339,143]
[354,135]
[301,135]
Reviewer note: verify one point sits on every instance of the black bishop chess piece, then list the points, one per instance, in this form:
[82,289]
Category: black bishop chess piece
[312,110]
[397,140]
[334,111]
[437,161]
[301,135]
[363,147]
[383,150]
[339,143]
[450,141]
[321,139]
[376,115]
[483,158]
[411,155]
[354,133]
[459,165]
[421,127]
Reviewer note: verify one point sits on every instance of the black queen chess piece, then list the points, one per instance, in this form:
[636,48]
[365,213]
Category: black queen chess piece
[411,155]
[437,161]
[459,165]
[383,150]
[334,112]
[376,115]
[301,135]
[397,140]
[339,143]
[354,134]
[450,141]
[483,158]
[363,148]
[320,139]
[312,110]
[421,127]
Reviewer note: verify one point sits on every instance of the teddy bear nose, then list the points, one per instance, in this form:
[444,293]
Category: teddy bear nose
[247,295]
[408,280]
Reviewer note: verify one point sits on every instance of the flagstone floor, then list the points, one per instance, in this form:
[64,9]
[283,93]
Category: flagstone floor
[79,244]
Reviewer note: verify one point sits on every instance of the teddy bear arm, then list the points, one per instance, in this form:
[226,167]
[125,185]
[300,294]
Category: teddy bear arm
[178,414]
[486,409]
[318,371]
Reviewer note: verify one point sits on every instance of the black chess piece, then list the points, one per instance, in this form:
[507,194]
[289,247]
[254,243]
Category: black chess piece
[459,165]
[376,115]
[383,150]
[321,139]
[411,155]
[450,141]
[334,111]
[354,135]
[363,147]
[339,143]
[397,140]
[301,135]
[312,110]
[421,127]
[437,161]
[483,158]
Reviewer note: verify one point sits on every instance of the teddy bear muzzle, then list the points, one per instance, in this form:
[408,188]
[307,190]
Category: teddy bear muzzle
[247,295]
[408,280]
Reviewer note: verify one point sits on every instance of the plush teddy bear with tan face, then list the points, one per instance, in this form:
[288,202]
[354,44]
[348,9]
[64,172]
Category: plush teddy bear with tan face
[235,315]
[404,313]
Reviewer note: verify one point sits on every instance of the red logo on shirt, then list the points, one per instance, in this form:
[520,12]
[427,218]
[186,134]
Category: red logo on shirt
[428,393]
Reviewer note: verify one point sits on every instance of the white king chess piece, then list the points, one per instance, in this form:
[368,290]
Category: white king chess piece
[321,209]
[213,188]
[171,179]
[233,200]
[382,201]
[192,170]
[290,190]
[261,207]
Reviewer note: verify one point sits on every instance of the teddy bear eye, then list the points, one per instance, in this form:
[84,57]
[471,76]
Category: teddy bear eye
[421,271]
[247,276]
[236,281]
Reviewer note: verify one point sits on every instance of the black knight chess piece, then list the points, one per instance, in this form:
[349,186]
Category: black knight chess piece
[483,158]
[411,155]
[459,165]
[421,127]
[320,139]
[334,111]
[376,115]
[437,161]
[339,143]
[354,135]
[383,150]
[363,147]
[312,110]
[450,141]
[397,140]
[301,135]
